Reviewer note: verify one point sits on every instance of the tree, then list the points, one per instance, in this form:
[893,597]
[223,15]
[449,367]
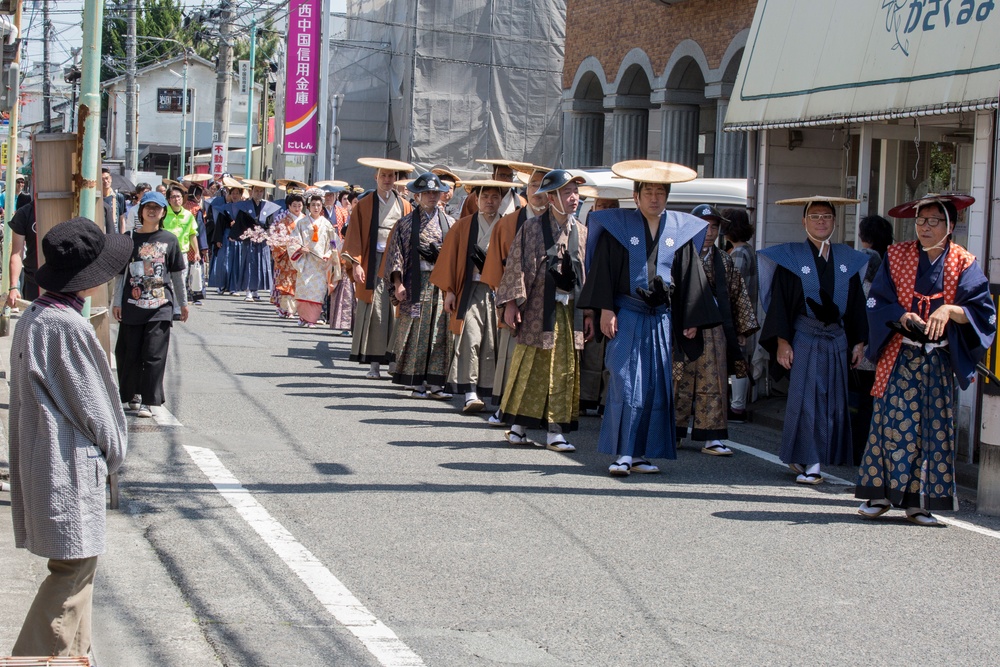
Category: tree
[154,18]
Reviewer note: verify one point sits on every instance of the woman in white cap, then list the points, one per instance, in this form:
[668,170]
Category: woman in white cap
[645,284]
[931,320]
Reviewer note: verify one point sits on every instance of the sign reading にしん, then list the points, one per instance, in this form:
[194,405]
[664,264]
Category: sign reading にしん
[302,76]
[218,160]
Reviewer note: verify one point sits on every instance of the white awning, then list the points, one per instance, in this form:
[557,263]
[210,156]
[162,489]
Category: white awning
[838,61]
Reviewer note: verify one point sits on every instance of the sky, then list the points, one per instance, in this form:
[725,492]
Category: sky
[67,20]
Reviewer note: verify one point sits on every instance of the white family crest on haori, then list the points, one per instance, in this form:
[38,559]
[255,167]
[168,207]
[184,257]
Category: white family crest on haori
[805,270]
[634,240]
[669,242]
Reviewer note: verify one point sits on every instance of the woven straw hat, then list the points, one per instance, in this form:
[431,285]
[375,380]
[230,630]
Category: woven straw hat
[487,183]
[258,184]
[385,163]
[653,171]
[805,201]
[910,208]
[291,183]
[197,178]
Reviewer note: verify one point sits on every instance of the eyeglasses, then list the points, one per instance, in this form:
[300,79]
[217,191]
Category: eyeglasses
[817,217]
[176,196]
[930,222]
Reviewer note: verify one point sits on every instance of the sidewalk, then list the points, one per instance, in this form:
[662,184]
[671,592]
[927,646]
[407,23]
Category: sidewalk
[140,616]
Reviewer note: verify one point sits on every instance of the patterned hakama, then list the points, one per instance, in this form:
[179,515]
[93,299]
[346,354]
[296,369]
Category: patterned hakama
[342,304]
[639,415]
[423,346]
[700,390]
[373,324]
[817,428]
[544,385]
[910,456]
[473,365]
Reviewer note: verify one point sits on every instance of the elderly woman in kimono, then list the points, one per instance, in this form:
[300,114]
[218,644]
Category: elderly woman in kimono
[315,256]
[423,346]
[645,282]
[931,320]
[537,296]
[814,328]
[67,434]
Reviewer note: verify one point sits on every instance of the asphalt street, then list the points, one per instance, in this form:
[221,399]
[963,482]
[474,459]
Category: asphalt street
[472,552]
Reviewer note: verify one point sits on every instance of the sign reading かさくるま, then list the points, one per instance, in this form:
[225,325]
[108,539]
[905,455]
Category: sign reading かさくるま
[302,76]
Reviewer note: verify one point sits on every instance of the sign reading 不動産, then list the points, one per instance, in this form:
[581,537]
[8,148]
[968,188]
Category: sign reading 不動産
[302,77]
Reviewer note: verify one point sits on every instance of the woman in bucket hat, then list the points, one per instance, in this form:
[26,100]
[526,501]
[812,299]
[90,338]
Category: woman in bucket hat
[143,303]
[67,433]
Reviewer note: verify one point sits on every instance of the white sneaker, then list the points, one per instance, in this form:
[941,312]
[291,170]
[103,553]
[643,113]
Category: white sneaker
[135,402]
[144,411]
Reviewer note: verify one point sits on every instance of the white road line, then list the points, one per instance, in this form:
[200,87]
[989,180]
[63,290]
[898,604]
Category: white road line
[380,641]
[164,417]
[767,456]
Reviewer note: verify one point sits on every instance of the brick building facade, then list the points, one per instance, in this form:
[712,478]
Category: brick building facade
[647,79]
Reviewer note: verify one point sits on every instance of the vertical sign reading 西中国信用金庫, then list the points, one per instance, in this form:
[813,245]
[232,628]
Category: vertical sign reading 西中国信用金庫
[302,76]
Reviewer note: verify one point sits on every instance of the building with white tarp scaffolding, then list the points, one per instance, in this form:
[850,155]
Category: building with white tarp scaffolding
[447,82]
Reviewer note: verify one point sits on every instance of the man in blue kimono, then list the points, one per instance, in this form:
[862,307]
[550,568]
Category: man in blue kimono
[255,270]
[814,328]
[645,282]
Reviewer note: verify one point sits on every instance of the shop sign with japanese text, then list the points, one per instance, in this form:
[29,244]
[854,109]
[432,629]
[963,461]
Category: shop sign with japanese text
[302,76]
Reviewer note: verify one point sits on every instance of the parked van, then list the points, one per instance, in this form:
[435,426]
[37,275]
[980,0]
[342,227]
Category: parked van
[719,192]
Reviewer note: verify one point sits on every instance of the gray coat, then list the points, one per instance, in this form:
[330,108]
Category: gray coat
[67,432]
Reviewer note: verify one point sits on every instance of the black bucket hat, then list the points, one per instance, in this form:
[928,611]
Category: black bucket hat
[78,256]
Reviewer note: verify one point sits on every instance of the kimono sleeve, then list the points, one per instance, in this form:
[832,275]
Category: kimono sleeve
[969,342]
[882,307]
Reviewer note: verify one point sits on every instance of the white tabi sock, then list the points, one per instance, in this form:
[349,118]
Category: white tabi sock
[375,367]
[471,396]
[813,469]
[518,429]
[624,459]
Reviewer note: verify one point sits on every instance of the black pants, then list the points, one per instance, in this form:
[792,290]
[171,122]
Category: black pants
[141,355]
[860,406]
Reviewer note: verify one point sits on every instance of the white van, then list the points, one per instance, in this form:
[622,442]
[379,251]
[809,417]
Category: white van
[719,192]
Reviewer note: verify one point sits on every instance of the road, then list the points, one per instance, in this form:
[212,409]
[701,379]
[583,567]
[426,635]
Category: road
[293,483]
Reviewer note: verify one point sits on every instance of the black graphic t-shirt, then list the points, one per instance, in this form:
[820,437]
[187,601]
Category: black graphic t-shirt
[148,294]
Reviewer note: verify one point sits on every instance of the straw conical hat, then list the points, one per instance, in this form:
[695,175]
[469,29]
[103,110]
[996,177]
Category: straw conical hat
[653,171]
[488,183]
[335,184]
[230,182]
[605,191]
[197,178]
[909,209]
[171,183]
[529,168]
[291,183]
[446,175]
[500,162]
[804,201]
[385,163]
[258,184]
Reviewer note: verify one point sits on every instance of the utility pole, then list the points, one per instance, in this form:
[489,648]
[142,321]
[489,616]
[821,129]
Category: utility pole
[224,69]
[184,111]
[90,107]
[15,112]
[253,53]
[46,74]
[131,140]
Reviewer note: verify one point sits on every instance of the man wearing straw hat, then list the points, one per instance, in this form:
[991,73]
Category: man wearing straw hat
[540,284]
[423,347]
[364,246]
[468,300]
[503,170]
[701,382]
[647,286]
[815,327]
[228,250]
[255,271]
[496,260]
[67,433]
